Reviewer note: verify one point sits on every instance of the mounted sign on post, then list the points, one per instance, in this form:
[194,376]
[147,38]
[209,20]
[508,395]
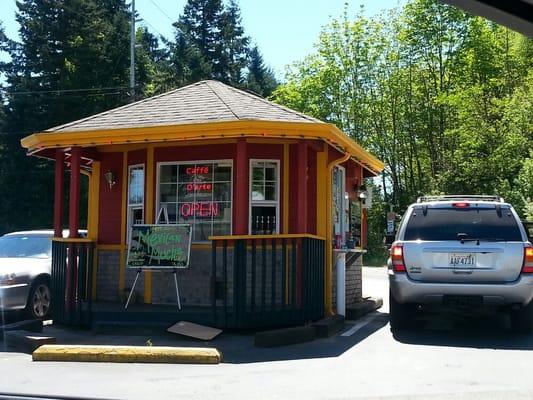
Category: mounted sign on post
[159,247]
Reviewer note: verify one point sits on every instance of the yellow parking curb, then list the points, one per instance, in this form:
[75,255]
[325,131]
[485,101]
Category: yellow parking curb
[128,354]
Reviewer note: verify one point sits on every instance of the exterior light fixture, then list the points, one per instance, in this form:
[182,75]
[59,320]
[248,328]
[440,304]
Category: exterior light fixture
[110,178]
[362,194]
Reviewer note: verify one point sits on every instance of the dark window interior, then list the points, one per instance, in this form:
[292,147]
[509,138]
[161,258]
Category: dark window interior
[474,222]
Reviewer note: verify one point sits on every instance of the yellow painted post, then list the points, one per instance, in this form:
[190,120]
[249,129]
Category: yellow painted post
[93,217]
[322,220]
[123,223]
[286,164]
[94,201]
[149,213]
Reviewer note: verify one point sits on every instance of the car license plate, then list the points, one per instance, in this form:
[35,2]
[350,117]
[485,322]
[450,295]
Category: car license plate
[462,260]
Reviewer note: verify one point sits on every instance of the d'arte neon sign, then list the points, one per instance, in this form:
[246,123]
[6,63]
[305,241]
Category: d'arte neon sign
[198,186]
[204,209]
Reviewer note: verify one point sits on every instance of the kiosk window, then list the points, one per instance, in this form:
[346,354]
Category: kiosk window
[264,197]
[196,193]
[135,196]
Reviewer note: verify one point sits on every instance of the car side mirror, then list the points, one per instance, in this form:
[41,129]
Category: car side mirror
[388,240]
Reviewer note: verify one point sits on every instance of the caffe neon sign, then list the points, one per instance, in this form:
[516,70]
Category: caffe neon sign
[197,185]
[204,209]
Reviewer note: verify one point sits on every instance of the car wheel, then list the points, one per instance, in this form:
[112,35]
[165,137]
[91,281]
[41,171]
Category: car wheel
[399,314]
[522,319]
[39,300]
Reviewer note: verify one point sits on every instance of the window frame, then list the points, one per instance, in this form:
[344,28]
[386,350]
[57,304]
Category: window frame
[265,203]
[135,206]
[157,203]
[342,211]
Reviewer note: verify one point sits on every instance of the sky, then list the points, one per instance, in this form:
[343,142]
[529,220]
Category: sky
[284,30]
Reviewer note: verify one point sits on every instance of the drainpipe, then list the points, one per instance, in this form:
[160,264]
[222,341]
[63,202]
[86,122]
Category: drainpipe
[329,244]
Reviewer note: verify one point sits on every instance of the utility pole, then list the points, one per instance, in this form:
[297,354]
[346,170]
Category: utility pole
[132,51]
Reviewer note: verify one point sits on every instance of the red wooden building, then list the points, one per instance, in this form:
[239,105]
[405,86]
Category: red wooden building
[269,192]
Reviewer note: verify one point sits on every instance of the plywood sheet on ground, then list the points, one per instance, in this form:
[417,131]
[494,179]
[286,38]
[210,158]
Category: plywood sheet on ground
[194,330]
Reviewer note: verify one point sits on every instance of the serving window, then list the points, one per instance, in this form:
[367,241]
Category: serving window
[264,197]
[197,193]
[135,196]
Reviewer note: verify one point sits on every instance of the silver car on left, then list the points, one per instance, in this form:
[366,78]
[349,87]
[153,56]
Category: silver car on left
[25,265]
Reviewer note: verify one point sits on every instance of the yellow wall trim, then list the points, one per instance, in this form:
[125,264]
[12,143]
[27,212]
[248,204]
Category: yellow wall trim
[205,131]
[280,236]
[73,240]
[111,247]
[94,201]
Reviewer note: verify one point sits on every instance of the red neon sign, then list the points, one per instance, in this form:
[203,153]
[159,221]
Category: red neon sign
[199,187]
[199,209]
[200,170]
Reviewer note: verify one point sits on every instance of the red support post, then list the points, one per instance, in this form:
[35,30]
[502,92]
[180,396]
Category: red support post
[74,198]
[301,214]
[71,275]
[58,193]
[240,203]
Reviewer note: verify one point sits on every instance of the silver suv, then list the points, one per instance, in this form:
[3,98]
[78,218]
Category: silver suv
[461,252]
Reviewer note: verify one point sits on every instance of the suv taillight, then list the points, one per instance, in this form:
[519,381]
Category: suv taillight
[527,267]
[396,253]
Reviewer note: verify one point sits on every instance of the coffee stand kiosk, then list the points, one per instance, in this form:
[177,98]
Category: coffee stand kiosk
[269,194]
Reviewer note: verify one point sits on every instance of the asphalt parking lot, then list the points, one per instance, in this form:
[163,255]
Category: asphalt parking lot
[441,357]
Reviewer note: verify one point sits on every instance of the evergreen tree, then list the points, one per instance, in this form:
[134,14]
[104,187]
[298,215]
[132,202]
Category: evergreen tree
[69,51]
[260,78]
[234,46]
[152,68]
[209,44]
[186,62]
[198,38]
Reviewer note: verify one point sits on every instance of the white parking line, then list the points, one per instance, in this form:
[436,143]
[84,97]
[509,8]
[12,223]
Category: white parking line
[361,323]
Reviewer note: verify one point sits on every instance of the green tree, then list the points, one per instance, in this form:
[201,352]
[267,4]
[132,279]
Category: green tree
[210,43]
[198,42]
[153,69]
[234,46]
[260,78]
[72,61]
[443,98]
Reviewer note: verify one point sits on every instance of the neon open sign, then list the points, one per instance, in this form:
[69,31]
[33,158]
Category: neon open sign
[199,209]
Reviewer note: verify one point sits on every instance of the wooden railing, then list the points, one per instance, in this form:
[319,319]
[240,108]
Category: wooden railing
[265,281]
[71,281]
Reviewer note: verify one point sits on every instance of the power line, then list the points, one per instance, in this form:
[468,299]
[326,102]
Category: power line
[62,91]
[162,12]
[153,27]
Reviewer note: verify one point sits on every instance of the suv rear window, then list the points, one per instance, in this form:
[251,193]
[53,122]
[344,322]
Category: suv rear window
[476,223]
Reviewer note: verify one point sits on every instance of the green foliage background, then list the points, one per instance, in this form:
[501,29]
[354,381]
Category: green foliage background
[443,98]
[72,61]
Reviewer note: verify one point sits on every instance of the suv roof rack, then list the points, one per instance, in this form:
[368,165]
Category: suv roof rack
[460,197]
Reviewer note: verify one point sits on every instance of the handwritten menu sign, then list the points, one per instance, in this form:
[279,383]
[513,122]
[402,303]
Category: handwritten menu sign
[159,246]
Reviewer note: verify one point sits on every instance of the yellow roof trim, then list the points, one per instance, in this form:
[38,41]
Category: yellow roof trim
[202,131]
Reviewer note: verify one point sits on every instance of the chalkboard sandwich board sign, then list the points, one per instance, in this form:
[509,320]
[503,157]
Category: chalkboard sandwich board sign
[159,246]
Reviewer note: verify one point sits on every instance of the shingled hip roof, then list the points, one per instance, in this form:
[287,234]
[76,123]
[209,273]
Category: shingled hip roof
[204,101]
[204,110]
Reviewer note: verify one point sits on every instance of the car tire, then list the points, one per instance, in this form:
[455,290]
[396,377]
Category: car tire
[399,314]
[522,319]
[39,299]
